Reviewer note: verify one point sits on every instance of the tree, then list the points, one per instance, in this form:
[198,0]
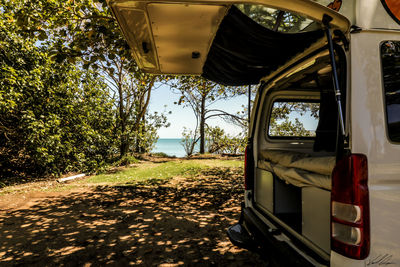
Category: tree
[219,142]
[146,136]
[215,139]
[281,124]
[53,116]
[273,19]
[199,94]
[131,90]
[85,32]
[189,140]
[69,88]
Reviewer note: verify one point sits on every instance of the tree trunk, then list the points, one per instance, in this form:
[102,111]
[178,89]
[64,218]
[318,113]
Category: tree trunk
[124,146]
[144,103]
[141,148]
[202,124]
[137,142]
[137,145]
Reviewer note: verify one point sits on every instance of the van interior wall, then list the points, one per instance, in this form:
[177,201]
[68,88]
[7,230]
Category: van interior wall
[316,79]
[289,194]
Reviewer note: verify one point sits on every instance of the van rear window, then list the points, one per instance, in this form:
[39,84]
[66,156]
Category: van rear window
[293,119]
[277,20]
[390,53]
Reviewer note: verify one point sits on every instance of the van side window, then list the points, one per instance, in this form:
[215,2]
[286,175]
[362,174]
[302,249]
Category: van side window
[293,119]
[390,53]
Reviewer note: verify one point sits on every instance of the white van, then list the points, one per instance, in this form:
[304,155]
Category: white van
[322,173]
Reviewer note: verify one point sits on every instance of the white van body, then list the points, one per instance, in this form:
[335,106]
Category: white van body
[365,116]
[369,137]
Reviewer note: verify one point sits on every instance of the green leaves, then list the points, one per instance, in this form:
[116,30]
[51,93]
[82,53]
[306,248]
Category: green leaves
[284,120]
[53,117]
[200,94]
[219,142]
[42,35]
[71,94]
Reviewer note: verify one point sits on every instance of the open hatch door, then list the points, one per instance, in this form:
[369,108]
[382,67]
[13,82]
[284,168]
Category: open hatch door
[229,42]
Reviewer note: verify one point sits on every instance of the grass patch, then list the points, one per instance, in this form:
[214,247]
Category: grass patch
[39,187]
[150,173]
[160,171]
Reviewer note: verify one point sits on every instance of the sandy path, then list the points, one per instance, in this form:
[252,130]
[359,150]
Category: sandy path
[182,222]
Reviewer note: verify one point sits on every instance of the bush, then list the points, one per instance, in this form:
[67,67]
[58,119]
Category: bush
[125,161]
[54,117]
[189,140]
[218,142]
[162,154]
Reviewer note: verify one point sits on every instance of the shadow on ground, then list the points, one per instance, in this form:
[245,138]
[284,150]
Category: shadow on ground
[182,222]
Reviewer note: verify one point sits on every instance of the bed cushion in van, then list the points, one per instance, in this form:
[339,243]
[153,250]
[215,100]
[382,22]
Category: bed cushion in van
[298,169]
[318,164]
[295,176]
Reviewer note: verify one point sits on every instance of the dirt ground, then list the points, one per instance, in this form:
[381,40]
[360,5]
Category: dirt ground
[181,222]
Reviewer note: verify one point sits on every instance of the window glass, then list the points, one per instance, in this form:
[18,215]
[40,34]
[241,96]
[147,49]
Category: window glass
[390,53]
[324,2]
[277,20]
[293,119]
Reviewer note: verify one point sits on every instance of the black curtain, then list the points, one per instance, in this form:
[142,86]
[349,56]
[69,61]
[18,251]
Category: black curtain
[243,51]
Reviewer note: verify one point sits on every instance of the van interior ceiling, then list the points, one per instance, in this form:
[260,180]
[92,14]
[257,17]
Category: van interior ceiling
[293,173]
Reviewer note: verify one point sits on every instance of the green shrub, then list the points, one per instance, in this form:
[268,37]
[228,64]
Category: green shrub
[162,154]
[54,117]
[126,160]
[218,142]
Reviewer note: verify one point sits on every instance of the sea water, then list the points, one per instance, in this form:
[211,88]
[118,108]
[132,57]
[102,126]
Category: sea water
[171,147]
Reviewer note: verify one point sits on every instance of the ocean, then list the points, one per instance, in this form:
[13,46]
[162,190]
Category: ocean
[171,147]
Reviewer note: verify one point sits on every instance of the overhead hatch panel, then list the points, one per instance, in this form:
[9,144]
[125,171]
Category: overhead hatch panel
[138,34]
[183,34]
[216,39]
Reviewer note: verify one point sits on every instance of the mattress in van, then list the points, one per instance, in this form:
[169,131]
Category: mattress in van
[299,169]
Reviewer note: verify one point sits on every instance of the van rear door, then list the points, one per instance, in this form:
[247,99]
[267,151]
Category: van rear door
[217,39]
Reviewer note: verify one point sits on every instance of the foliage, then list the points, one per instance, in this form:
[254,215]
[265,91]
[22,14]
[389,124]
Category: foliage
[125,161]
[70,91]
[146,136]
[85,33]
[236,144]
[131,91]
[274,19]
[162,155]
[189,141]
[241,118]
[282,124]
[79,29]
[200,94]
[219,142]
[215,139]
[54,117]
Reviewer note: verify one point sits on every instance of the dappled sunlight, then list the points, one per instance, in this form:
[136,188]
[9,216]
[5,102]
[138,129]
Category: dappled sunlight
[182,222]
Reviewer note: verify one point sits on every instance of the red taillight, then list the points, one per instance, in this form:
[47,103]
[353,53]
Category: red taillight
[350,207]
[393,8]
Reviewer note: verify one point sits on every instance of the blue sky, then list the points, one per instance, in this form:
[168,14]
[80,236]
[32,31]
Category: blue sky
[183,116]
